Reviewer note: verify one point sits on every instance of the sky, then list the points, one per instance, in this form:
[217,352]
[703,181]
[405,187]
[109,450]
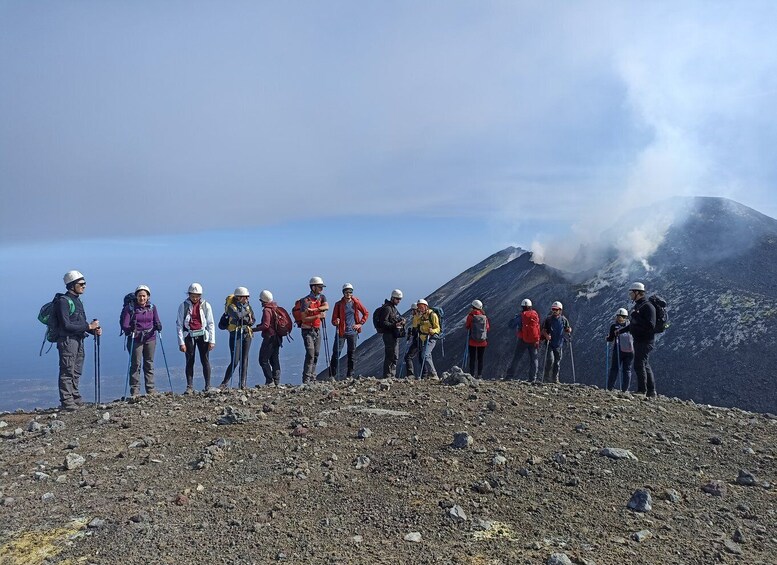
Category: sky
[379,143]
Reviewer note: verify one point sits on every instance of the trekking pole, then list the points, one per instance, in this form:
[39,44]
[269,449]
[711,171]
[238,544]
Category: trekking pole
[607,365]
[618,354]
[129,362]
[326,344]
[423,356]
[465,358]
[162,345]
[545,359]
[234,351]
[572,358]
[96,368]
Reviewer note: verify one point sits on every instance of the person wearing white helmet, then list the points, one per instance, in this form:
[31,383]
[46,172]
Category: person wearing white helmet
[71,329]
[622,352]
[527,332]
[642,326]
[554,329]
[391,325]
[269,359]
[196,329]
[140,323]
[429,328]
[313,309]
[348,316]
[240,321]
[477,325]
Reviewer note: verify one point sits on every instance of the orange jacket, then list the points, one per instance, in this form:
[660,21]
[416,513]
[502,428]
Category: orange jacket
[360,315]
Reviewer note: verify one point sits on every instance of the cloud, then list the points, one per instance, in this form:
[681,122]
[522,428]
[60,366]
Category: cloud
[544,119]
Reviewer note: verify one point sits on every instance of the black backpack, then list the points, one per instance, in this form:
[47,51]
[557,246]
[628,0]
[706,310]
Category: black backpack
[662,317]
[379,318]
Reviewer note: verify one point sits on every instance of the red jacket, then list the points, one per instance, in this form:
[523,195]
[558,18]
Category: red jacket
[360,315]
[473,342]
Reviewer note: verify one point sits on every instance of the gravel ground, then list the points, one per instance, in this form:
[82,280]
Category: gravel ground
[370,471]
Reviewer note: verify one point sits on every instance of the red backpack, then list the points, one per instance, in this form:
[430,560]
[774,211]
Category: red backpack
[281,321]
[530,326]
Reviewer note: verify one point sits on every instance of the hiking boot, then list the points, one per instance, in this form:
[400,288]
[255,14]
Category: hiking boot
[79,401]
[651,394]
[68,407]
[189,390]
[223,386]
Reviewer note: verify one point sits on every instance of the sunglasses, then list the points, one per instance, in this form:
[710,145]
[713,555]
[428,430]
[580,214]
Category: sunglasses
[82,283]
[556,309]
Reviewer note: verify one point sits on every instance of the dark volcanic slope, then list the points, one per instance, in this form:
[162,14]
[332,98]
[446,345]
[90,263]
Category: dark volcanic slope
[717,267]
[161,482]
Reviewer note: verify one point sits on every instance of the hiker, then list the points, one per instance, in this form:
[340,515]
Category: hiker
[527,331]
[554,329]
[72,329]
[313,309]
[622,351]
[241,319]
[348,316]
[140,323]
[428,332]
[391,325]
[271,343]
[477,325]
[196,328]
[412,343]
[642,327]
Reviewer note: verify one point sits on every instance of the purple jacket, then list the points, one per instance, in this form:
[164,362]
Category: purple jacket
[145,321]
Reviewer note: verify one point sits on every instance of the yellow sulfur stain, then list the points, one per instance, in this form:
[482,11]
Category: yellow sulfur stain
[32,548]
[497,530]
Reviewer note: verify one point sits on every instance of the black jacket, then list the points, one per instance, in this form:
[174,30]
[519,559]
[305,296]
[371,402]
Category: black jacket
[71,325]
[642,323]
[387,317]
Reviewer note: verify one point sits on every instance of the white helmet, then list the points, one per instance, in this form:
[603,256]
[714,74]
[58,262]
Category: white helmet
[396,293]
[414,306]
[422,301]
[557,304]
[637,286]
[194,288]
[241,291]
[347,286]
[622,312]
[72,276]
[526,302]
[316,280]
[477,304]
[143,287]
[265,296]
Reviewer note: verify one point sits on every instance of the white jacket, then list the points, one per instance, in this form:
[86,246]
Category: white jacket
[184,315]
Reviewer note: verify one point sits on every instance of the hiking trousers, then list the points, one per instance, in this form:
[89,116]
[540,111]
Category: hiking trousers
[145,352]
[410,355]
[311,337]
[646,382]
[269,359]
[71,364]
[622,361]
[476,360]
[337,349]
[427,365]
[390,355]
[553,364]
[522,347]
[203,347]
[239,357]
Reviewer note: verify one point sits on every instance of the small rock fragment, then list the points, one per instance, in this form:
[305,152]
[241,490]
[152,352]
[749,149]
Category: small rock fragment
[462,440]
[641,501]
[715,488]
[641,535]
[746,478]
[617,453]
[364,433]
[559,559]
[415,537]
[74,461]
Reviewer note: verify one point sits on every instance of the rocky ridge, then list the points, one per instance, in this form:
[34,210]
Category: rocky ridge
[367,471]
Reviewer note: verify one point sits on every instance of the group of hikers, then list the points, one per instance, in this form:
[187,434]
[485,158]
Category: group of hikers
[632,335]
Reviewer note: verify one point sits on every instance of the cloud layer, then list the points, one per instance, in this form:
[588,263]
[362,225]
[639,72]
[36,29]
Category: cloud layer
[126,119]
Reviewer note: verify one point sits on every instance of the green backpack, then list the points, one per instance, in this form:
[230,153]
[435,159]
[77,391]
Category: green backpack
[48,317]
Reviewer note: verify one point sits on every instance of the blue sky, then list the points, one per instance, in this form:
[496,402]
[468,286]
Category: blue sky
[393,142]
